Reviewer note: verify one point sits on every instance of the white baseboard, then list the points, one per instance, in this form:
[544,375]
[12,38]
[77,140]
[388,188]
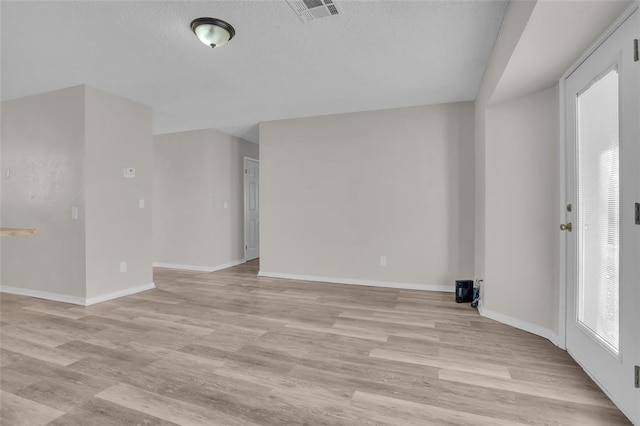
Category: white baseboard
[82,301]
[43,295]
[522,325]
[117,294]
[371,283]
[198,268]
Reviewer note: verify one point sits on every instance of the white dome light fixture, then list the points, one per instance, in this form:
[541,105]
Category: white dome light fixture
[212,32]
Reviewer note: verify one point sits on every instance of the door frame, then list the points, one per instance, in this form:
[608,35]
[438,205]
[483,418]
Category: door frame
[244,202]
[561,241]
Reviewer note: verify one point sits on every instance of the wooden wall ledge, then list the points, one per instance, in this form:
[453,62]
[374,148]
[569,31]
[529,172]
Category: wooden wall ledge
[16,232]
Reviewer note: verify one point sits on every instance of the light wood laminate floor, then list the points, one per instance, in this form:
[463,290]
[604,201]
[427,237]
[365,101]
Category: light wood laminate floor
[227,348]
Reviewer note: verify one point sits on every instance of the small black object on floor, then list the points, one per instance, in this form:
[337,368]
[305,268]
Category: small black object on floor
[464,291]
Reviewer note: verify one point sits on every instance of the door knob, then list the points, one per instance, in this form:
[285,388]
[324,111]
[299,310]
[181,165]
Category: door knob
[567,227]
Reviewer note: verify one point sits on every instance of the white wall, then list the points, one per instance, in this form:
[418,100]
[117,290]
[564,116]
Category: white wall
[118,135]
[514,238]
[522,151]
[195,174]
[43,147]
[69,148]
[513,25]
[339,191]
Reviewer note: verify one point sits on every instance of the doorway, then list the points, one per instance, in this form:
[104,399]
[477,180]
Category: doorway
[601,230]
[251,209]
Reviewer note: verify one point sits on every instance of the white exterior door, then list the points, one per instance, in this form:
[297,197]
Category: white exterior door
[251,209]
[601,230]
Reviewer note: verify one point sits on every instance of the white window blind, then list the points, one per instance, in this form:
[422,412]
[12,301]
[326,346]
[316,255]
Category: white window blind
[599,209]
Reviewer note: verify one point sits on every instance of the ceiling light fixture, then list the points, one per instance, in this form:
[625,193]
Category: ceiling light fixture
[212,32]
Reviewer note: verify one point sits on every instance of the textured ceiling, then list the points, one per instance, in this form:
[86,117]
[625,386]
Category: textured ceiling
[376,55]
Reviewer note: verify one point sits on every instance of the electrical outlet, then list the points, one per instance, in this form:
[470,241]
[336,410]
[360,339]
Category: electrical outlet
[123,266]
[383,260]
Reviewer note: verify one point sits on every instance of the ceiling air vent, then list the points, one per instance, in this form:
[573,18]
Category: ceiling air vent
[310,10]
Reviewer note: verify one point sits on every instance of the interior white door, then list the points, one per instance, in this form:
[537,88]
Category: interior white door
[603,241]
[251,209]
